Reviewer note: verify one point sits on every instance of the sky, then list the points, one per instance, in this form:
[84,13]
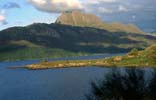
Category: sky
[24,12]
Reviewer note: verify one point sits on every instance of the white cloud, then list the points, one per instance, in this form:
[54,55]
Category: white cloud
[107,1]
[56,5]
[122,8]
[2,18]
[104,10]
[92,2]
[2,12]
[99,1]
[134,17]
[11,5]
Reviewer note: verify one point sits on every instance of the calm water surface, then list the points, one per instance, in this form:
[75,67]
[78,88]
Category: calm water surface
[52,84]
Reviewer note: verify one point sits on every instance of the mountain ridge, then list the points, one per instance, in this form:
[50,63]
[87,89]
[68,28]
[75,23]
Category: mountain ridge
[76,18]
[42,40]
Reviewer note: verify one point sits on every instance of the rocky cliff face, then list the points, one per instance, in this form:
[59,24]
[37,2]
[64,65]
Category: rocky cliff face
[76,18]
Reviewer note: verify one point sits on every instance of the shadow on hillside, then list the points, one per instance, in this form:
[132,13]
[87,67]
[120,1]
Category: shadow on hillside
[134,84]
[68,38]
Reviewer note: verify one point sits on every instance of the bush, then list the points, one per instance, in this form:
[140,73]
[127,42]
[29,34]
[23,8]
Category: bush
[133,52]
[152,52]
[129,86]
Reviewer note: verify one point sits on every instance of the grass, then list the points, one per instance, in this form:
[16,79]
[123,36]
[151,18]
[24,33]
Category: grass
[135,58]
[35,53]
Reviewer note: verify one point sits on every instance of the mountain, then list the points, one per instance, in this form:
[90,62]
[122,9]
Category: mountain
[76,18]
[41,40]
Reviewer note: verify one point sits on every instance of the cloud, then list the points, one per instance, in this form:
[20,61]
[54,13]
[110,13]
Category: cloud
[134,17]
[108,1]
[2,12]
[56,6]
[104,10]
[122,8]
[99,2]
[4,22]
[11,5]
[4,8]
[2,18]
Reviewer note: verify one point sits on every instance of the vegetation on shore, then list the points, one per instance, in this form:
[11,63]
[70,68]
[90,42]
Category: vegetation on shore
[135,58]
[37,53]
[130,85]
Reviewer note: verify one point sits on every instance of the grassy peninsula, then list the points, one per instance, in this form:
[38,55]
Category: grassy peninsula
[135,58]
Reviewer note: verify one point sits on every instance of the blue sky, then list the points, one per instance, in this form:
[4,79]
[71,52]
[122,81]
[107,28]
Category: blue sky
[25,12]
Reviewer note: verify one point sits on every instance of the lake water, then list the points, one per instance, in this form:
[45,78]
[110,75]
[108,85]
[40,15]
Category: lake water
[51,84]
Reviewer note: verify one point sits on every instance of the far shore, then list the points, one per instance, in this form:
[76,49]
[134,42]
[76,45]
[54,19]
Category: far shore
[140,59]
[73,64]
[62,57]
[134,59]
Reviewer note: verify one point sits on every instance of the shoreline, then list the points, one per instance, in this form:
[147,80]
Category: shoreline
[100,66]
[82,63]
[58,58]
[134,58]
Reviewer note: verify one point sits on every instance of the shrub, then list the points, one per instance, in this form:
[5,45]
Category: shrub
[131,85]
[133,52]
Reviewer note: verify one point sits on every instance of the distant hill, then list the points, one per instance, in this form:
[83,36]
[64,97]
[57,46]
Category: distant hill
[76,18]
[41,40]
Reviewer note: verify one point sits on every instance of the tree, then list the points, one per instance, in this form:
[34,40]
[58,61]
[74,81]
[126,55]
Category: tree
[128,86]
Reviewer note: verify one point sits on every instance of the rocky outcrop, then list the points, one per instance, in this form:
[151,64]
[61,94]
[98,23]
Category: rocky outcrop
[76,18]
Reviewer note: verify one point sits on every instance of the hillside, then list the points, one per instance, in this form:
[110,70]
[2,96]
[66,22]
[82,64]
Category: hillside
[135,58]
[76,18]
[54,40]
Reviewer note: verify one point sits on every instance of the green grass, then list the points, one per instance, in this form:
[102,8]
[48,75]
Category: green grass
[143,58]
[36,53]
[135,58]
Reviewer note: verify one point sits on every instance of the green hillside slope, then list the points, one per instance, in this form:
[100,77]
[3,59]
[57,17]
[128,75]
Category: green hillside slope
[55,40]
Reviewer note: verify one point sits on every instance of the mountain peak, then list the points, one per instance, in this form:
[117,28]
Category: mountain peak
[78,18]
[69,12]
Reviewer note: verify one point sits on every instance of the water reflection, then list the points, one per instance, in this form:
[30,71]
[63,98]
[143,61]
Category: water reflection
[130,84]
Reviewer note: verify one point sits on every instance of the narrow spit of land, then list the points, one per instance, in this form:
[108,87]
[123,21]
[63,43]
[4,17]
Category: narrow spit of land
[135,58]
